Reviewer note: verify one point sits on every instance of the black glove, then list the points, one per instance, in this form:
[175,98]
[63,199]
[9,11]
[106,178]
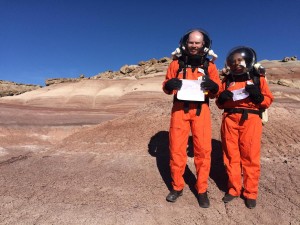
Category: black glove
[210,85]
[173,84]
[224,96]
[254,94]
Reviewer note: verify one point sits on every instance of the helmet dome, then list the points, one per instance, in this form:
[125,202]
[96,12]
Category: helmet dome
[185,37]
[240,60]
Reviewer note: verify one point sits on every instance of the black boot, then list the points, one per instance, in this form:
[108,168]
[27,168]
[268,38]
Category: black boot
[173,195]
[203,200]
[228,198]
[250,203]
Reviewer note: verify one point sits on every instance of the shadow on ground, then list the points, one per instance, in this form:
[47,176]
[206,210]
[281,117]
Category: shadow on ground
[159,147]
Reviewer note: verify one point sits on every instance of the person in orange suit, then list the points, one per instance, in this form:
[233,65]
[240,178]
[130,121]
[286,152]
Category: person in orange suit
[244,95]
[191,63]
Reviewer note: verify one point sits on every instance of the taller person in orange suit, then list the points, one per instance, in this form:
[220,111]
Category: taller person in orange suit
[191,63]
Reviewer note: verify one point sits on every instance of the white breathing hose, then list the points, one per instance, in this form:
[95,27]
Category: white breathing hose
[177,53]
[211,53]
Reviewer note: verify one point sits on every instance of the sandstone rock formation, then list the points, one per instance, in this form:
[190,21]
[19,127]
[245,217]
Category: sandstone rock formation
[286,59]
[8,88]
[278,72]
[283,73]
[143,69]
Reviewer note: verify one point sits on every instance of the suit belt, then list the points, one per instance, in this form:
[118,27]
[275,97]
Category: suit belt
[244,112]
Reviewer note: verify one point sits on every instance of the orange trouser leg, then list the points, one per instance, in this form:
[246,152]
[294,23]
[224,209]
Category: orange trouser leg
[201,130]
[181,124]
[231,152]
[250,141]
[241,146]
[178,137]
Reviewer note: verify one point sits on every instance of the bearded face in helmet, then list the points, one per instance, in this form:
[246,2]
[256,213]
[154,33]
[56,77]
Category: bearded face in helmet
[240,60]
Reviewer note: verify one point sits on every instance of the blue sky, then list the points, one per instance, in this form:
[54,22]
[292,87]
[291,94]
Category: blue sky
[43,39]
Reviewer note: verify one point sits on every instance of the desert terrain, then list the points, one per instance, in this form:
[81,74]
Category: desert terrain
[96,152]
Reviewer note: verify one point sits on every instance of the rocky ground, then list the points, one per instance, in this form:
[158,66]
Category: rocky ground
[96,152]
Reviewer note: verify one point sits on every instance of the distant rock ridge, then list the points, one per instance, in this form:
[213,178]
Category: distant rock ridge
[151,67]
[142,69]
[278,71]
[281,72]
[8,88]
[286,59]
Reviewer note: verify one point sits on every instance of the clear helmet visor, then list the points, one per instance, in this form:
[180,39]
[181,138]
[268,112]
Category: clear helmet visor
[207,41]
[240,60]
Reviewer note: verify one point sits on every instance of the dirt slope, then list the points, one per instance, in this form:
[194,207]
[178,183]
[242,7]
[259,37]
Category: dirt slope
[85,165]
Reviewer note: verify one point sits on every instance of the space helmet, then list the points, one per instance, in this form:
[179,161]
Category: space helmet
[185,37]
[240,60]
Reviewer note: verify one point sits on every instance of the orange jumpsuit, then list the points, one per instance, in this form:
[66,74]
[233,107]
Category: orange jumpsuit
[241,141]
[180,126]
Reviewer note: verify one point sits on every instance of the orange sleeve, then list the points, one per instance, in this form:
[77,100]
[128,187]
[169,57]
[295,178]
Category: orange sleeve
[214,76]
[265,90]
[171,73]
[222,88]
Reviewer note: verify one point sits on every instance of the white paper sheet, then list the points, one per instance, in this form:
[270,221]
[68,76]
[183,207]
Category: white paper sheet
[239,94]
[191,91]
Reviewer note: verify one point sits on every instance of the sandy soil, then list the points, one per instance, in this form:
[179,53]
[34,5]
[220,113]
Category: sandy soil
[79,163]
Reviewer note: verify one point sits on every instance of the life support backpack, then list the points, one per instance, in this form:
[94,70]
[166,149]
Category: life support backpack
[182,67]
[255,77]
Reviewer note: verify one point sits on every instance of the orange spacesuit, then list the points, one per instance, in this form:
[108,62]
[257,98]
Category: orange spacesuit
[191,114]
[182,122]
[241,129]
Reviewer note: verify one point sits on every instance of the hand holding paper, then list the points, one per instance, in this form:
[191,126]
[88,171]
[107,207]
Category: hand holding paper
[191,91]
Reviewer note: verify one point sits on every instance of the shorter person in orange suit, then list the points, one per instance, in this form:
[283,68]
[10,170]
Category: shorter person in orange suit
[244,95]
